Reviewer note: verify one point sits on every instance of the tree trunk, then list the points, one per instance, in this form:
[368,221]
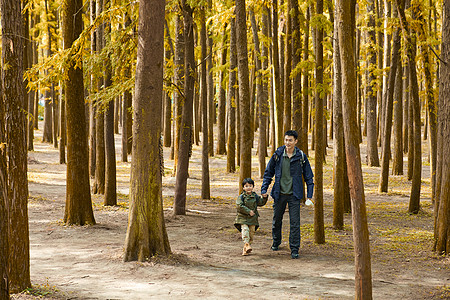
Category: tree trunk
[287,70]
[211,103]
[414,202]
[305,103]
[278,120]
[62,125]
[231,101]
[4,215]
[405,107]
[221,124]
[78,210]
[179,205]
[179,84]
[372,148]
[319,230]
[397,164]
[99,184]
[16,148]
[386,145]
[92,106]
[167,103]
[338,123]
[386,63]
[245,169]
[28,62]
[363,276]
[297,76]
[146,232]
[204,100]
[442,203]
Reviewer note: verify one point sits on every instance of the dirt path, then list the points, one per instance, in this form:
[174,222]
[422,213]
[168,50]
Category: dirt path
[86,262]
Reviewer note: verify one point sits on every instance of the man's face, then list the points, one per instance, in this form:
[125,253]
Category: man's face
[290,142]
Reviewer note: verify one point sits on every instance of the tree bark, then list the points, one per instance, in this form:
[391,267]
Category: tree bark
[297,76]
[305,103]
[63,129]
[338,124]
[16,147]
[167,99]
[127,117]
[372,148]
[179,205]
[92,106]
[405,108]
[442,203]
[231,101]
[414,202]
[210,82]
[363,276]
[146,232]
[386,145]
[221,124]
[397,163]
[78,210]
[245,169]
[204,100]
[278,120]
[287,71]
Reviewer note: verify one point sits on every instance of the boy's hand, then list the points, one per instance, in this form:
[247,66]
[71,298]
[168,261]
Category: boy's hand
[252,213]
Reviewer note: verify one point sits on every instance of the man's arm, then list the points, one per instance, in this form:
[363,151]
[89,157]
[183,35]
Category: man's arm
[308,176]
[268,175]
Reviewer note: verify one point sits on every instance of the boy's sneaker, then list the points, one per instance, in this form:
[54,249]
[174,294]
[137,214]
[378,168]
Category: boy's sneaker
[294,255]
[274,247]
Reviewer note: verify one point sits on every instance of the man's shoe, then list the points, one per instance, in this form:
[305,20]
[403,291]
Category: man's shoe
[294,255]
[274,248]
[247,248]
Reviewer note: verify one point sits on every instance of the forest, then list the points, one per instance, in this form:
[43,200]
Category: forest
[127,128]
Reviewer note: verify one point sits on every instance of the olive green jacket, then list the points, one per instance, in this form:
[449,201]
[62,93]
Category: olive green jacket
[244,204]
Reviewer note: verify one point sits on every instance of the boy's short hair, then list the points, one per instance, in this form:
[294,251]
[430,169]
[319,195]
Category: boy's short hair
[292,133]
[248,180]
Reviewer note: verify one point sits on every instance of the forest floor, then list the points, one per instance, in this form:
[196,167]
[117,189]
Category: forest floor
[70,262]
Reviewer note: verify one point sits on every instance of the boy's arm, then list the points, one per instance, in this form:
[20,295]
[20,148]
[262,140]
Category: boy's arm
[268,175]
[262,200]
[240,206]
[308,177]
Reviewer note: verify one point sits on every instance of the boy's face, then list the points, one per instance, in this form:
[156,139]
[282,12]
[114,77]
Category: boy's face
[248,188]
[290,142]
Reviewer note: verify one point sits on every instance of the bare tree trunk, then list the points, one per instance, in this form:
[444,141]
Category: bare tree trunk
[389,103]
[231,101]
[16,147]
[4,208]
[204,96]
[179,205]
[363,275]
[442,200]
[146,232]
[297,79]
[221,124]
[287,70]
[414,203]
[405,107]
[245,169]
[305,103]
[92,106]
[167,99]
[339,151]
[62,125]
[397,164]
[78,210]
[278,120]
[210,82]
[179,84]
[319,230]
[372,148]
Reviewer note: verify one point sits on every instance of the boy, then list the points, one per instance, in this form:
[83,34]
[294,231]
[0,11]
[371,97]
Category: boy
[247,213]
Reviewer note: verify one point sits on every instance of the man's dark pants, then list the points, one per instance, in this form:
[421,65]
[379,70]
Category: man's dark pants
[279,206]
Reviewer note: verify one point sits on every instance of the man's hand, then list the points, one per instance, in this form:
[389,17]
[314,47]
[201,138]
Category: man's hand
[264,195]
[252,213]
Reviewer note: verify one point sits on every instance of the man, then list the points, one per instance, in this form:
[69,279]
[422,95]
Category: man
[288,164]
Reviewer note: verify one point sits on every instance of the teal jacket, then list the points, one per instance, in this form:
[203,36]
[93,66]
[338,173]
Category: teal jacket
[244,204]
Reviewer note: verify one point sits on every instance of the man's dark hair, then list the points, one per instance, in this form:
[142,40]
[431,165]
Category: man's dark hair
[248,180]
[292,133]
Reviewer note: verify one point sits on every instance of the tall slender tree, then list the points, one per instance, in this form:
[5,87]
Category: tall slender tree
[442,203]
[278,120]
[78,210]
[231,101]
[146,233]
[287,99]
[179,203]
[305,93]
[245,169]
[16,148]
[221,115]
[363,273]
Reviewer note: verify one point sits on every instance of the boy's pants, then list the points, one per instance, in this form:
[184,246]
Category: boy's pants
[279,206]
[247,233]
